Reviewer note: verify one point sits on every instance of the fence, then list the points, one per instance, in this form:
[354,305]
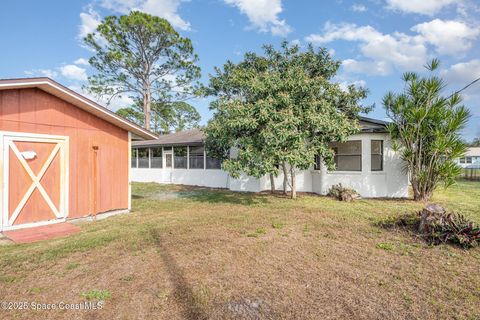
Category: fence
[471,174]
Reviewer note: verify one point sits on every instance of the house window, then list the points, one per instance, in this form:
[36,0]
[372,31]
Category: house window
[348,155]
[377,155]
[468,159]
[142,157]
[213,163]
[134,158]
[462,160]
[196,155]
[156,157]
[317,163]
[180,157]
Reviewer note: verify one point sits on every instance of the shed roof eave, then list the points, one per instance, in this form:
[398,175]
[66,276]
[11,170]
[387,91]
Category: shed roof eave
[66,94]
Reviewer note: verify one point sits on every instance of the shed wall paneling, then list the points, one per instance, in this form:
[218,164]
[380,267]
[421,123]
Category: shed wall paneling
[36,111]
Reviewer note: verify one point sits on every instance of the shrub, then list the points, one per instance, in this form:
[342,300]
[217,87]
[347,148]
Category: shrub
[343,194]
[455,228]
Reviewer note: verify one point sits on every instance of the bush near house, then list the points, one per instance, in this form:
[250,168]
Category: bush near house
[342,193]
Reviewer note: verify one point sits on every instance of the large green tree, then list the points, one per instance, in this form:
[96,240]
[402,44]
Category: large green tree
[143,57]
[174,117]
[280,108]
[426,130]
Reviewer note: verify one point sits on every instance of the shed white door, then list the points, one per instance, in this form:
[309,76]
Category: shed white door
[35,179]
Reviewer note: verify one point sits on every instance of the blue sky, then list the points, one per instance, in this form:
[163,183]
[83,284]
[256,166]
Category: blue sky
[377,40]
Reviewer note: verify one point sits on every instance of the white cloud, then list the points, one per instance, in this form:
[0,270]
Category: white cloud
[448,36]
[461,74]
[295,42]
[81,61]
[426,7]
[357,83]
[366,67]
[167,9]
[42,73]
[89,22]
[263,15]
[358,7]
[73,72]
[385,50]
[457,77]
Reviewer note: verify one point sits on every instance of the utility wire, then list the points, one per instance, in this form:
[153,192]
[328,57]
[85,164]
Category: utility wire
[468,85]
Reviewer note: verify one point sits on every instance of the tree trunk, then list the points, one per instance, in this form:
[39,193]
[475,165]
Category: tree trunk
[420,192]
[147,101]
[272,183]
[293,185]
[285,178]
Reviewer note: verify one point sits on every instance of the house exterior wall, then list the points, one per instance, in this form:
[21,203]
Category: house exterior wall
[195,177]
[390,182]
[35,111]
[469,162]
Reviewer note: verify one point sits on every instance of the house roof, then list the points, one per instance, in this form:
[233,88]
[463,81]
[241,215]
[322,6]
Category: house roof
[190,137]
[473,152]
[196,136]
[373,125]
[66,94]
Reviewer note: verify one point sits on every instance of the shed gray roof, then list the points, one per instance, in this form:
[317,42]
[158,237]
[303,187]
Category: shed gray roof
[196,136]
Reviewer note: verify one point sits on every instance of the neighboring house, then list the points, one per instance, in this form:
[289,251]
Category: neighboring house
[63,155]
[366,163]
[471,158]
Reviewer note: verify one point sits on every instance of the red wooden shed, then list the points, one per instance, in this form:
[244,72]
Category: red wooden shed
[63,156]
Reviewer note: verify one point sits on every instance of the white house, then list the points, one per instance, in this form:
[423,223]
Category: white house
[471,158]
[366,162]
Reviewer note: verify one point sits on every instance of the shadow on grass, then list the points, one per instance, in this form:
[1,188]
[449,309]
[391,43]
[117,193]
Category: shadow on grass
[182,290]
[407,222]
[223,196]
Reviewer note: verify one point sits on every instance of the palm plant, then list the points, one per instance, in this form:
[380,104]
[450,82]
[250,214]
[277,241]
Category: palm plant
[426,130]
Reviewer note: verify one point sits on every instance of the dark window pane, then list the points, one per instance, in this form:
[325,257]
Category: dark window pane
[377,155]
[213,163]
[196,157]
[348,155]
[156,157]
[180,157]
[134,158]
[317,163]
[143,157]
[167,148]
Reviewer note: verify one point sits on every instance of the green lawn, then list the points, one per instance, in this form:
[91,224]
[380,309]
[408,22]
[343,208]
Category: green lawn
[197,253]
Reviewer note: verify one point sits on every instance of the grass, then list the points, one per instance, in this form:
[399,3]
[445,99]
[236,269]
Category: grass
[197,253]
[96,295]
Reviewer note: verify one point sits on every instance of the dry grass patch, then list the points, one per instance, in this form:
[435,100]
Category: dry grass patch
[196,253]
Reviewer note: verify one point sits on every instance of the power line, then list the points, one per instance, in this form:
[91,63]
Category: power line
[468,85]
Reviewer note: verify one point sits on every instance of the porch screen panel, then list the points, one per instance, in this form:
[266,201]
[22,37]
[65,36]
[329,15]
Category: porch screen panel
[196,157]
[348,155]
[134,158]
[156,157]
[213,163]
[142,157]
[180,157]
